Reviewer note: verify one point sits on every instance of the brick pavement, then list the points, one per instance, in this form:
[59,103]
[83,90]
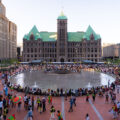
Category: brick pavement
[78,113]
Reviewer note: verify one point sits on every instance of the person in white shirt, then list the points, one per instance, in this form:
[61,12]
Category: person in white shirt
[87,117]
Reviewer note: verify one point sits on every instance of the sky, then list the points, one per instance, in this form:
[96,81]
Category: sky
[102,15]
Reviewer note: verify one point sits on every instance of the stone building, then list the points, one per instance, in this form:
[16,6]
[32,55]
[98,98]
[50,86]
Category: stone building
[111,51]
[8,36]
[62,46]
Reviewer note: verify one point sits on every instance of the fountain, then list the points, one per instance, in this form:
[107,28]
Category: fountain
[35,85]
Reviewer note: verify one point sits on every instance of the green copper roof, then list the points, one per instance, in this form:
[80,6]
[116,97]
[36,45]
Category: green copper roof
[75,36]
[48,36]
[52,36]
[89,32]
[33,31]
[62,17]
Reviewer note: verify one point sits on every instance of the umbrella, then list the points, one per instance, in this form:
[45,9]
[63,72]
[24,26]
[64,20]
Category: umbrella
[12,117]
[17,99]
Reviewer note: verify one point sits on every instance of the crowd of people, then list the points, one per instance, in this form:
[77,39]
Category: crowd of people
[7,97]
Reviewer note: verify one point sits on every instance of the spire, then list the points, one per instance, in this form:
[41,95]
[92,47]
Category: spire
[62,13]
[62,16]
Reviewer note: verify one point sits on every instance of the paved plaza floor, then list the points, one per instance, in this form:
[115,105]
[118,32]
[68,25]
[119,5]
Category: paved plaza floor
[97,110]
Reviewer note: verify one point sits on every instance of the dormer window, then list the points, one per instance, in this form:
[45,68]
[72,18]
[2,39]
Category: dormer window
[91,37]
[31,37]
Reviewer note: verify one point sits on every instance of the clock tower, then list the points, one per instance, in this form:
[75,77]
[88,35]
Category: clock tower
[62,38]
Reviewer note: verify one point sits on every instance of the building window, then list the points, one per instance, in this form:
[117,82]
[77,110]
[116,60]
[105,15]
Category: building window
[28,50]
[35,55]
[92,55]
[27,55]
[31,55]
[91,49]
[95,49]
[88,49]
[35,49]
[95,55]
[31,50]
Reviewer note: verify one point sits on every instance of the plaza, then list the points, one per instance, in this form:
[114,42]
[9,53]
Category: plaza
[52,66]
[97,110]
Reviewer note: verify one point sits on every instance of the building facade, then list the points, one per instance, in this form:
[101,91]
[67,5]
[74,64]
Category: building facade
[62,46]
[8,36]
[111,51]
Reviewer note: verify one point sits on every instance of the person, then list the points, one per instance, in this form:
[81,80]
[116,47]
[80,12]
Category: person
[74,100]
[25,100]
[50,99]
[32,102]
[66,95]
[71,105]
[59,115]
[30,114]
[52,110]
[87,97]
[38,102]
[44,104]
[93,96]
[19,106]
[1,107]
[6,91]
[87,117]
[40,107]
[5,113]
[115,110]
[107,98]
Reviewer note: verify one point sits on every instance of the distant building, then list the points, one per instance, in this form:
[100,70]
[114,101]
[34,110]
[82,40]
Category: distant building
[19,53]
[111,51]
[62,45]
[8,36]
[119,50]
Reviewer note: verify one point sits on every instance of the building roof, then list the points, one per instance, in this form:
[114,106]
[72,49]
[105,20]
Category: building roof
[90,32]
[52,36]
[75,36]
[48,36]
[62,16]
[33,31]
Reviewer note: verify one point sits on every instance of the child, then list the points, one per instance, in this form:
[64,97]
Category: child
[59,115]
[50,99]
[52,112]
